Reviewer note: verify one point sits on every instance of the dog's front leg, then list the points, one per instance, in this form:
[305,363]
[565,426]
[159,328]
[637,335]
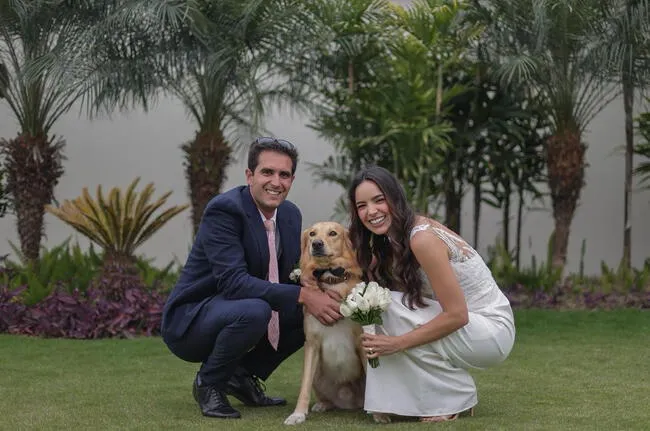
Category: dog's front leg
[311,362]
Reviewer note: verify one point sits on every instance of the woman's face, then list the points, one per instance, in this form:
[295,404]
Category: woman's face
[372,208]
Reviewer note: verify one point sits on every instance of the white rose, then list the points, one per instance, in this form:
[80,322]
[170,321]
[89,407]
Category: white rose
[295,275]
[374,287]
[361,302]
[385,298]
[346,310]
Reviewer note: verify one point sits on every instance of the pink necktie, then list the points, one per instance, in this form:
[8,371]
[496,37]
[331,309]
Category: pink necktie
[274,323]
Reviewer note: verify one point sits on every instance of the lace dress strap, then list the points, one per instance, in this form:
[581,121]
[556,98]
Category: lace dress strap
[459,249]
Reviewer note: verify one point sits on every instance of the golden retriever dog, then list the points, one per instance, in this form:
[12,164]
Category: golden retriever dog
[334,362]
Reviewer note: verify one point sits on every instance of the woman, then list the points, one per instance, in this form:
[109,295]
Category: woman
[447,315]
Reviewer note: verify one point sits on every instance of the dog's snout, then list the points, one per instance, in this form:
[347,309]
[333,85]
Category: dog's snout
[317,244]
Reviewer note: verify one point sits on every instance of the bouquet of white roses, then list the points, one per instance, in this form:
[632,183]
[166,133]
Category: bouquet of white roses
[364,305]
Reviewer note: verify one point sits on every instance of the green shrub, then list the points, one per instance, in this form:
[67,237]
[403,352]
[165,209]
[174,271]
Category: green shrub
[71,268]
[536,277]
[624,279]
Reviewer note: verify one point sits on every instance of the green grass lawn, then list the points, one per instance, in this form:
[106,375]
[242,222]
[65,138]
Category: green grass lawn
[568,370]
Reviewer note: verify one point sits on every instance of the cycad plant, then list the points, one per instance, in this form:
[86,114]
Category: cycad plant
[119,223]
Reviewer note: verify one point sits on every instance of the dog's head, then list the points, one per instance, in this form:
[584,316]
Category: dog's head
[327,243]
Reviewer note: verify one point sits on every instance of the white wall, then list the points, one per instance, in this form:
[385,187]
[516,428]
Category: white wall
[136,144]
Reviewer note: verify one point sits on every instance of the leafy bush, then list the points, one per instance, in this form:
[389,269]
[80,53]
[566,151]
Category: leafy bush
[537,277]
[70,268]
[66,266]
[77,315]
[541,286]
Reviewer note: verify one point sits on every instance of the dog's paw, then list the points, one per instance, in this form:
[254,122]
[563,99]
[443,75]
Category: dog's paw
[381,418]
[320,407]
[295,418]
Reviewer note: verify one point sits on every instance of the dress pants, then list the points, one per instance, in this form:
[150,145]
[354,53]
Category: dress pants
[227,334]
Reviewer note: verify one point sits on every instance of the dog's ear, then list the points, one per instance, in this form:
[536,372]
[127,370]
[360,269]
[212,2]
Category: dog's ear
[304,239]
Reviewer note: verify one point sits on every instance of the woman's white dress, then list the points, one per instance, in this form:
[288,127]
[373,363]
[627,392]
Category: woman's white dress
[432,379]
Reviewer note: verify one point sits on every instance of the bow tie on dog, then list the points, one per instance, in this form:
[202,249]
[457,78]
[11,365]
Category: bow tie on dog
[336,274]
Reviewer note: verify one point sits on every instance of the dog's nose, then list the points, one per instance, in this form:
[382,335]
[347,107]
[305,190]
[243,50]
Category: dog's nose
[317,244]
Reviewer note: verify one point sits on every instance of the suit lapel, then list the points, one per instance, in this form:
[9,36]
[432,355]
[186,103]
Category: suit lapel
[257,226]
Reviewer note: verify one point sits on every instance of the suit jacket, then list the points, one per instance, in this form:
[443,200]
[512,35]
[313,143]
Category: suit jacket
[230,257]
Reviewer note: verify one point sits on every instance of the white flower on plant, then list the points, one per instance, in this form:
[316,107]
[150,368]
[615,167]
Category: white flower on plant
[295,275]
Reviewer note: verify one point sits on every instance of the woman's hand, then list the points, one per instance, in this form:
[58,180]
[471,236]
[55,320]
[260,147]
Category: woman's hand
[380,345]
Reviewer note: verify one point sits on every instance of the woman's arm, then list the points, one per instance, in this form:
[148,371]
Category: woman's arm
[432,254]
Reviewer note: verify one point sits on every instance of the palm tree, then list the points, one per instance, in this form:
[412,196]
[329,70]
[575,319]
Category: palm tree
[227,61]
[30,30]
[541,43]
[623,42]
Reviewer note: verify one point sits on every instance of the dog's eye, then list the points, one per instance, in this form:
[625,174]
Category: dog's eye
[312,233]
[333,233]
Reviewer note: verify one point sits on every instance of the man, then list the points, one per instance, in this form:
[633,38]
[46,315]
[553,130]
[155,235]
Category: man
[233,292]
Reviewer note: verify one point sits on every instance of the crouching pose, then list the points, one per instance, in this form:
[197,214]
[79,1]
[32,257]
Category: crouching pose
[447,316]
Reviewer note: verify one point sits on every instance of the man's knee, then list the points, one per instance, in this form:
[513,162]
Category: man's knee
[253,311]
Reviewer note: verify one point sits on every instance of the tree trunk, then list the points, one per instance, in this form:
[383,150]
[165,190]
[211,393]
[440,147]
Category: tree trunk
[206,160]
[520,216]
[453,201]
[478,194]
[506,216]
[566,170]
[628,104]
[33,167]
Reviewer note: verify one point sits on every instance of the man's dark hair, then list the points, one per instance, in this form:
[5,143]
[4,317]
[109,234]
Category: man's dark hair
[271,144]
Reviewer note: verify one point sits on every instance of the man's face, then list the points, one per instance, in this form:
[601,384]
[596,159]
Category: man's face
[271,181]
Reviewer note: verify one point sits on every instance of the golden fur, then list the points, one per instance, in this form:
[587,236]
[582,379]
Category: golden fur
[334,362]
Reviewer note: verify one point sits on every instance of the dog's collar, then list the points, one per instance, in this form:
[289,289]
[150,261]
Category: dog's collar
[338,275]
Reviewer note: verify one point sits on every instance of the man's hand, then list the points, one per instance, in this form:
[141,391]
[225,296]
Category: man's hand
[309,281]
[320,305]
[334,295]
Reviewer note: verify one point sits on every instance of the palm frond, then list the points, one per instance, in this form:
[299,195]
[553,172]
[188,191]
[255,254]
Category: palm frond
[120,222]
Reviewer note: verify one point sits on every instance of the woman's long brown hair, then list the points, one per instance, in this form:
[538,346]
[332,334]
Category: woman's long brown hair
[396,267]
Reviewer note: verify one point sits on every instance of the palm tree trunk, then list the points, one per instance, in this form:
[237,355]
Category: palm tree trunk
[206,160]
[628,104]
[566,170]
[33,167]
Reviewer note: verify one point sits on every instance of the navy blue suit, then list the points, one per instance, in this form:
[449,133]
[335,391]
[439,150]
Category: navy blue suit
[218,312]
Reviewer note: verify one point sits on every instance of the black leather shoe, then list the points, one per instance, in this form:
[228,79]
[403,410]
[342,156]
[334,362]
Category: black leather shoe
[213,402]
[250,391]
